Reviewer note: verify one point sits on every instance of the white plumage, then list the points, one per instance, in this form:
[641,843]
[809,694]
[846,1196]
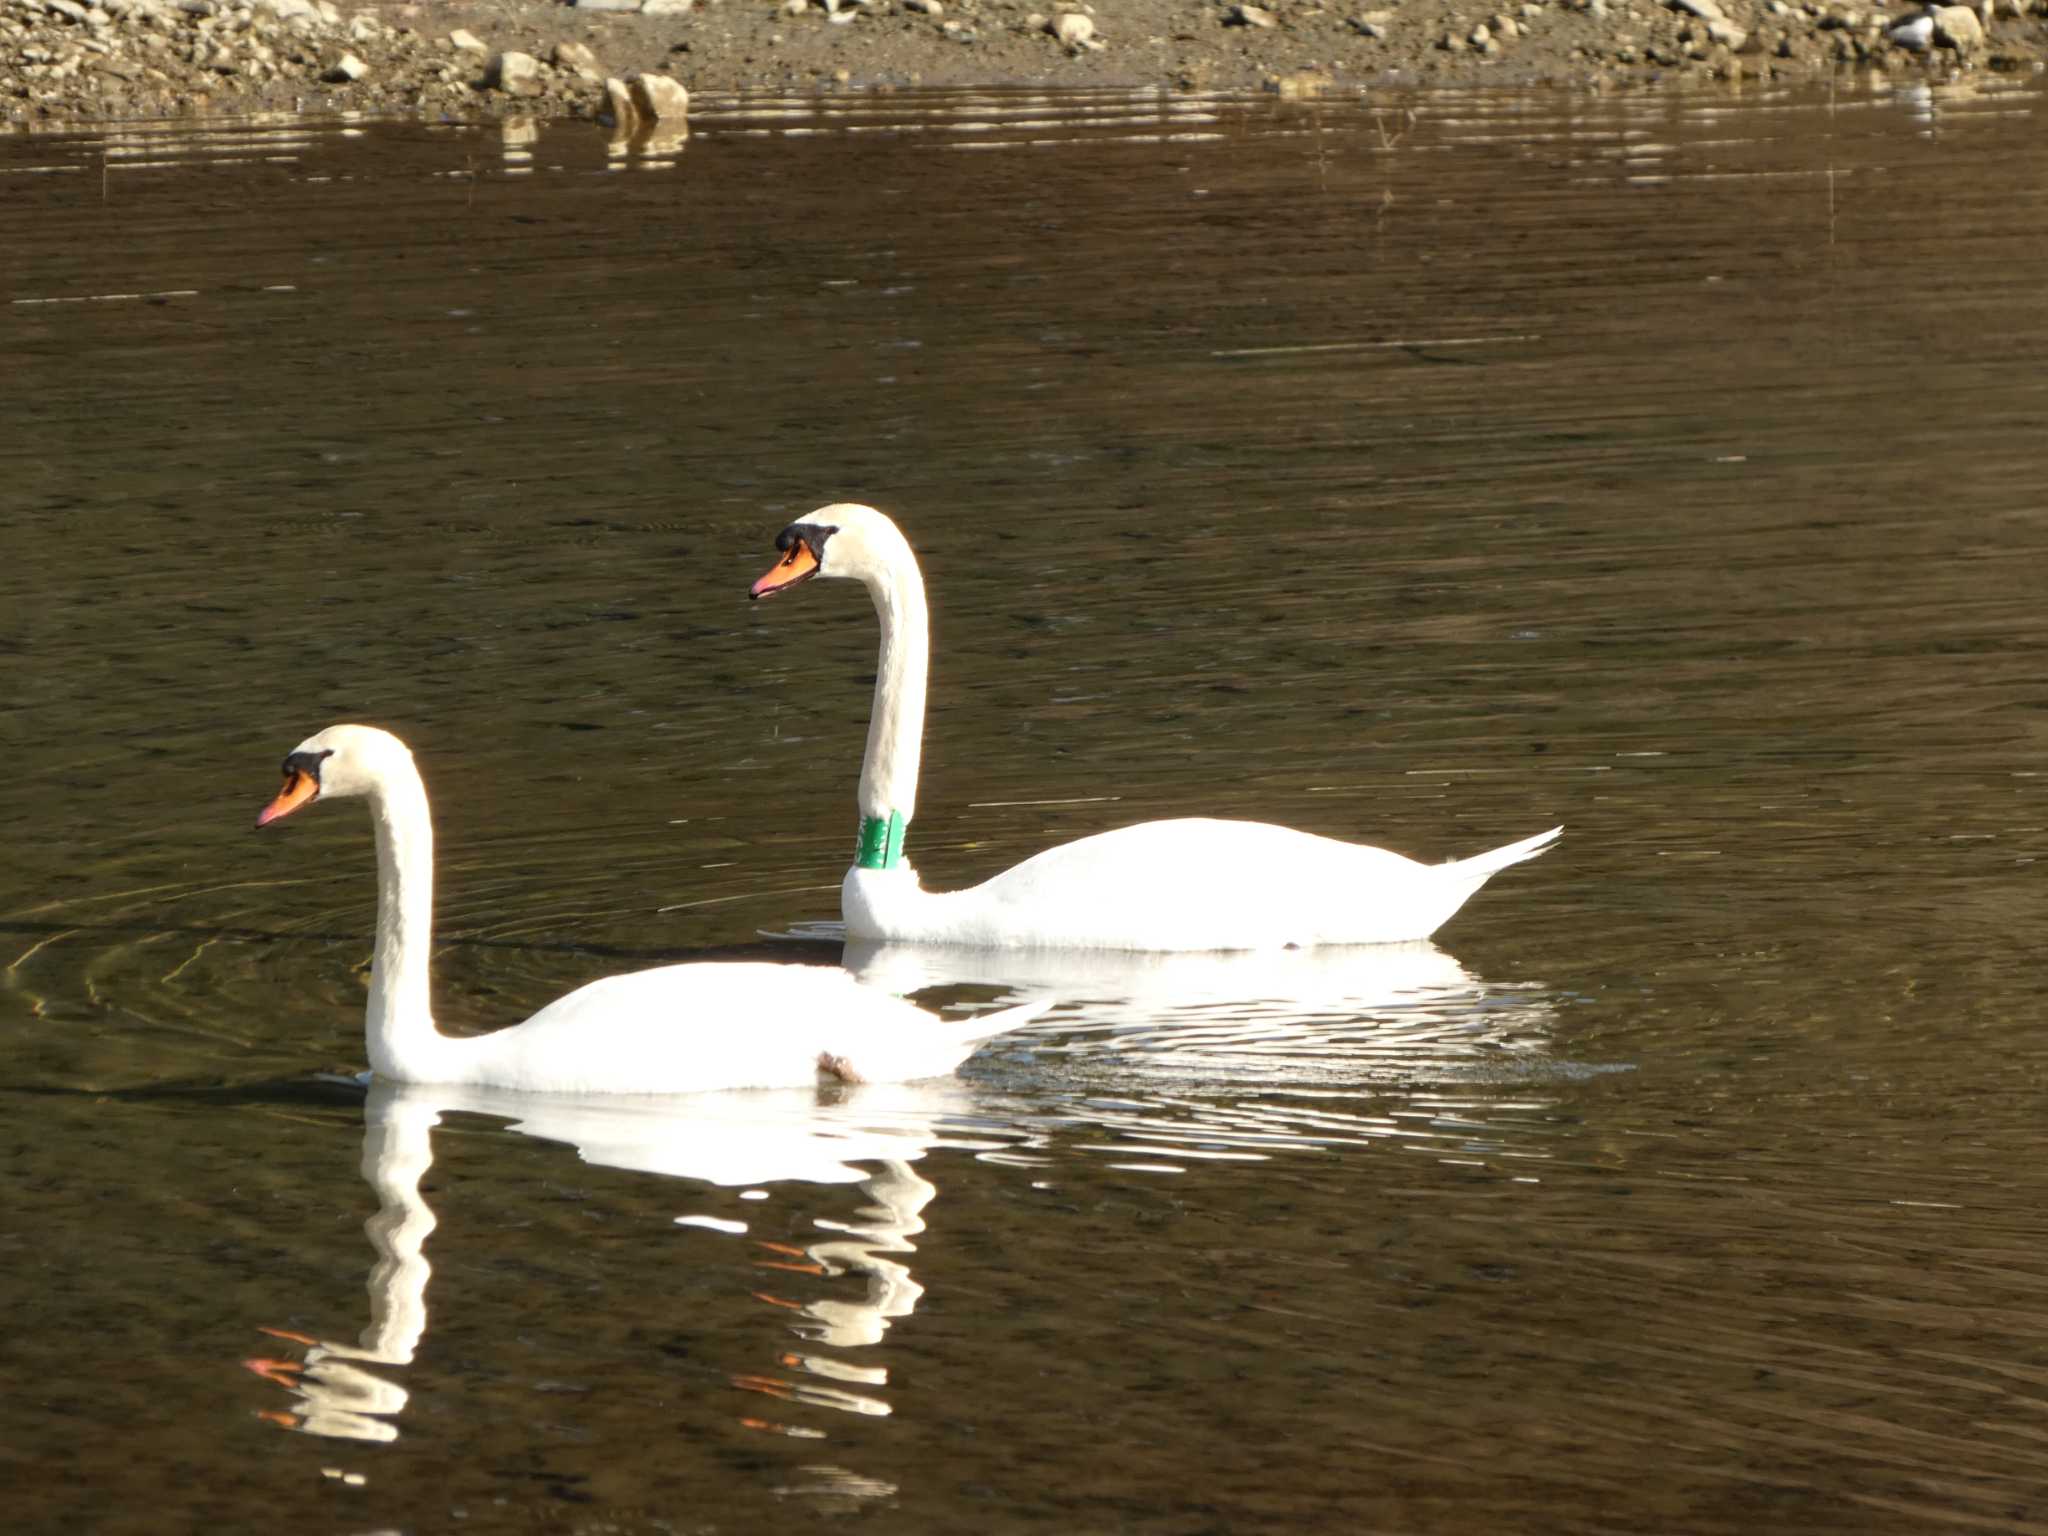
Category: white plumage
[1185,884]
[674,1029]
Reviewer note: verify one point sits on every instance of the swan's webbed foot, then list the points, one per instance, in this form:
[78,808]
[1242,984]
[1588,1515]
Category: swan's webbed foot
[839,1067]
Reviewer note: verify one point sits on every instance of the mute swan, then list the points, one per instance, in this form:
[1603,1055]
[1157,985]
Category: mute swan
[675,1029]
[1185,884]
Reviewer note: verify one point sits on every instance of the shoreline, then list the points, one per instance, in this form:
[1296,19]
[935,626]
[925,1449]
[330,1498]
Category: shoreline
[73,61]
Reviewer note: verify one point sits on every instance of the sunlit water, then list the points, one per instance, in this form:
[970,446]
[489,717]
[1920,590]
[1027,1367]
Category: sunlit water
[1430,471]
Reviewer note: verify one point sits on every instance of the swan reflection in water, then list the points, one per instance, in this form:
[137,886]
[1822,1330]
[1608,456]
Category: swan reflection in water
[1248,1055]
[742,1139]
[1331,1011]
[1309,1049]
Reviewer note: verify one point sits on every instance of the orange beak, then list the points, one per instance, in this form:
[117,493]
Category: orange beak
[798,565]
[298,789]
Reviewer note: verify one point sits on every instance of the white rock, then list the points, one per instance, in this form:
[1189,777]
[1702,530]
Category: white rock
[1074,31]
[795,7]
[514,73]
[620,100]
[1504,26]
[345,70]
[1727,34]
[925,7]
[1250,16]
[70,10]
[577,59]
[1479,37]
[660,98]
[608,5]
[1368,27]
[364,28]
[1957,27]
[1915,36]
[468,42]
[667,7]
[1706,10]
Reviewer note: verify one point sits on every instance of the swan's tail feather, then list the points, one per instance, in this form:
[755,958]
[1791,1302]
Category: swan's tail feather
[1482,866]
[986,1026]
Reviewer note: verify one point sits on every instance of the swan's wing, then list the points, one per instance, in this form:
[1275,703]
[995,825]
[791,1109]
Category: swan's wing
[1195,883]
[732,1024]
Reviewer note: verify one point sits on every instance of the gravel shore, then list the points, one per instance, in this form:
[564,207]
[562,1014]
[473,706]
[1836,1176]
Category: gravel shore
[71,60]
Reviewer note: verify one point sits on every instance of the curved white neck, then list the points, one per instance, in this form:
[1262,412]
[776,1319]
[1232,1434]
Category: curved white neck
[404,1045]
[888,774]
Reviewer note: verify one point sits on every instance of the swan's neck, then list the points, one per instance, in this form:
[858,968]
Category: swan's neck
[404,1045]
[888,774]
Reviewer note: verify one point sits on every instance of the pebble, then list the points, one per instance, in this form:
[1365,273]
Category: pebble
[1302,85]
[1957,27]
[607,5]
[1249,16]
[345,70]
[660,98]
[514,73]
[577,59]
[925,7]
[468,42]
[620,100]
[1915,36]
[1372,29]
[1706,10]
[667,7]
[1075,31]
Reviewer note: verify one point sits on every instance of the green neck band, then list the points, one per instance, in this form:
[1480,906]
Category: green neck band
[881,842]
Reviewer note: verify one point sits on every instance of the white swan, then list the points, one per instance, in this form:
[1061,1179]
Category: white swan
[1184,884]
[675,1029]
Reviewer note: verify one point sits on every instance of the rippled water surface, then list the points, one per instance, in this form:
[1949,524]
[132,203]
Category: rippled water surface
[1427,471]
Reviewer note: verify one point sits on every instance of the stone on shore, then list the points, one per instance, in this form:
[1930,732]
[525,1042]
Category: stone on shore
[468,42]
[345,70]
[620,100]
[577,59]
[1074,31]
[514,73]
[1957,27]
[1915,36]
[659,98]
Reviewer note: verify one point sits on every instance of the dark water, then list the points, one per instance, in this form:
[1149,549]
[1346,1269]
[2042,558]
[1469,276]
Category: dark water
[1423,472]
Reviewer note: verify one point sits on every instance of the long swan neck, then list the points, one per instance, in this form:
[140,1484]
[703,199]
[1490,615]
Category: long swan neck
[888,774]
[400,1027]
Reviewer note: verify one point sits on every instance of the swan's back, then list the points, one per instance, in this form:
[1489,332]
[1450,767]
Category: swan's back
[1186,884]
[704,1027]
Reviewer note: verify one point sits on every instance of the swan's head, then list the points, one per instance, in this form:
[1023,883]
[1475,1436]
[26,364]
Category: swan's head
[342,760]
[844,539]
